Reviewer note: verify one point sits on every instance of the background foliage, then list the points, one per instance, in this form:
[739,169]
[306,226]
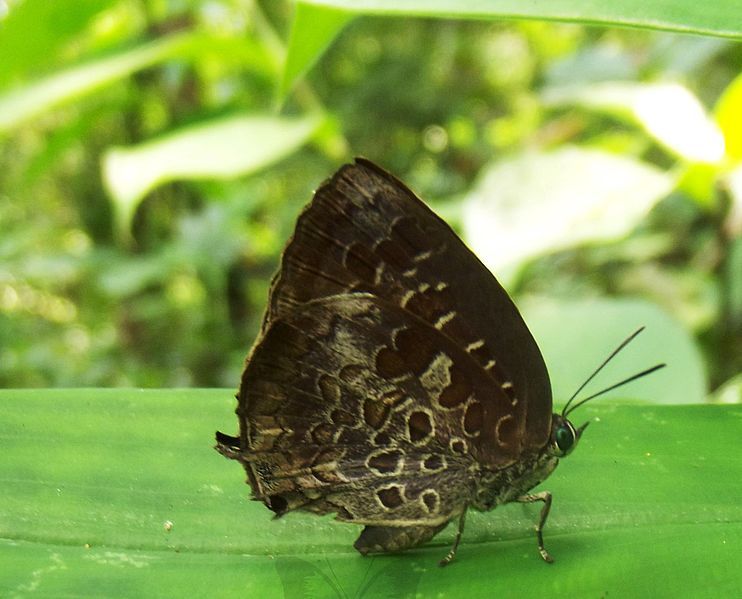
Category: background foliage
[154,155]
[148,183]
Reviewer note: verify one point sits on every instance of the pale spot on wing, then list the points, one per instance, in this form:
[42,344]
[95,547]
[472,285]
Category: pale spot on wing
[423,256]
[407,297]
[379,272]
[474,346]
[437,377]
[445,319]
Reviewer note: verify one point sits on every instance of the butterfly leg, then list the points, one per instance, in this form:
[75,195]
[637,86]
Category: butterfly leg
[452,553]
[544,496]
[381,539]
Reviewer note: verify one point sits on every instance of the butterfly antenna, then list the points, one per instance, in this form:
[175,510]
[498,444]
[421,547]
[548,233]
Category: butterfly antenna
[623,344]
[612,387]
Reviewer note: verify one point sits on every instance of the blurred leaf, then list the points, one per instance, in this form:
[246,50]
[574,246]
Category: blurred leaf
[686,16]
[313,30]
[733,181]
[728,114]
[576,336]
[22,103]
[222,148]
[118,492]
[667,111]
[699,180]
[733,273]
[729,392]
[591,64]
[679,57]
[53,24]
[125,276]
[537,203]
[682,15]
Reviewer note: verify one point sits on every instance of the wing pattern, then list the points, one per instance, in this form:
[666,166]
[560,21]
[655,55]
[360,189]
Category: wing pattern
[349,405]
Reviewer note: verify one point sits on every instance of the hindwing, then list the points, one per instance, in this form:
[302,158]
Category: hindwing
[351,404]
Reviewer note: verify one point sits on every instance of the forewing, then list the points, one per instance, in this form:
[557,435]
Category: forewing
[365,231]
[350,404]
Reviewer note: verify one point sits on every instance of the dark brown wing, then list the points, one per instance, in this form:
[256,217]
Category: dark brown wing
[366,231]
[351,404]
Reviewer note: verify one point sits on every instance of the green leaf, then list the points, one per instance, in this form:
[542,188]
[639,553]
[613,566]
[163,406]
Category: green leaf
[596,327]
[535,203]
[646,505]
[222,148]
[681,15]
[688,16]
[53,24]
[25,102]
[312,31]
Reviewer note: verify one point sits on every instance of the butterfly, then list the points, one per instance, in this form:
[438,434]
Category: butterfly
[393,382]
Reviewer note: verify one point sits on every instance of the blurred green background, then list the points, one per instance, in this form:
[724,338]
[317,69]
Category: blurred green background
[154,155]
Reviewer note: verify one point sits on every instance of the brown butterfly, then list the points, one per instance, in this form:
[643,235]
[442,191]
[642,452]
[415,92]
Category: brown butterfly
[394,382]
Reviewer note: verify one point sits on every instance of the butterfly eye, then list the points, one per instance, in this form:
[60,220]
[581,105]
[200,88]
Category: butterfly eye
[565,438]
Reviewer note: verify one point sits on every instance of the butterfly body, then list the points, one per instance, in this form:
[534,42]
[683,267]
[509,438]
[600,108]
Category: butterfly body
[507,485]
[394,382]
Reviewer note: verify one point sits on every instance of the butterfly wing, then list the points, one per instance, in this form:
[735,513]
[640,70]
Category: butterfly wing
[365,231]
[351,404]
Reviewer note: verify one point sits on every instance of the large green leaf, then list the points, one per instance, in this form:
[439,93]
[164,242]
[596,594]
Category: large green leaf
[22,103]
[596,326]
[116,492]
[54,24]
[308,41]
[217,149]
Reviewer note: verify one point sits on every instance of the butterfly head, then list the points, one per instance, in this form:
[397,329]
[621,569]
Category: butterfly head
[564,436]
